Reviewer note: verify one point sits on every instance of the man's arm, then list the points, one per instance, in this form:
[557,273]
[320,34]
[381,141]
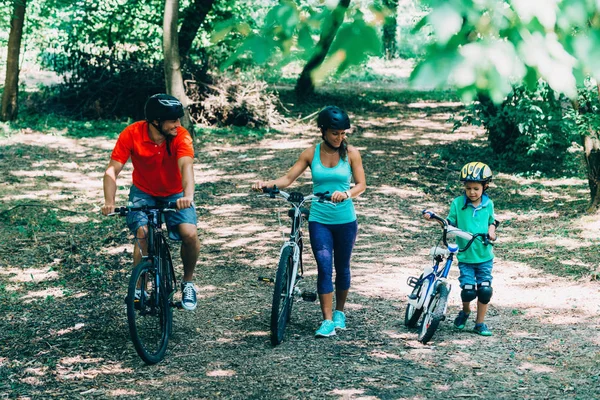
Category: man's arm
[110,185]
[186,166]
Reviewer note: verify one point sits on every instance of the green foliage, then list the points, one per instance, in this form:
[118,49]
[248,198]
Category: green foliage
[289,33]
[488,46]
[530,130]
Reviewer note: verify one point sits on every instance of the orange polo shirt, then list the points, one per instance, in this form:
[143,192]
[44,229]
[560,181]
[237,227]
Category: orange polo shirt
[154,171]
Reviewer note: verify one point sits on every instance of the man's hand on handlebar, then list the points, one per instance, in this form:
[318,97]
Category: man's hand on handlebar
[108,208]
[184,202]
[259,185]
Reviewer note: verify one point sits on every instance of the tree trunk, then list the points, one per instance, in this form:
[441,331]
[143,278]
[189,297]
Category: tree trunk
[591,149]
[173,76]
[10,96]
[390,28]
[305,85]
[193,18]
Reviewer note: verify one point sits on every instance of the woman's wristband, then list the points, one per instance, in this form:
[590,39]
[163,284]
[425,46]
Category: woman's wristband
[348,194]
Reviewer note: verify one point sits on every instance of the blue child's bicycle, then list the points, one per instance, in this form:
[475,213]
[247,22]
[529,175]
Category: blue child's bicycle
[429,297]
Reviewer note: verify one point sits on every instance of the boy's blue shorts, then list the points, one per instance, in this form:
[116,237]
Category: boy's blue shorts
[474,274]
[138,218]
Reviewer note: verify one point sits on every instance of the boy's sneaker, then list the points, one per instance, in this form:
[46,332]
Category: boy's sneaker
[482,329]
[461,320]
[339,320]
[326,329]
[188,296]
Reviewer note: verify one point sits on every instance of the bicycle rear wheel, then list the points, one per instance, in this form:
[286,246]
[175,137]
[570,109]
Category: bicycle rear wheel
[434,315]
[149,316]
[282,296]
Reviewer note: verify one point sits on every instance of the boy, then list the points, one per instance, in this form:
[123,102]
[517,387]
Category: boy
[474,212]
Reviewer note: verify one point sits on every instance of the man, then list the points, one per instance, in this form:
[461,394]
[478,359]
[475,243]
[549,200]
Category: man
[162,155]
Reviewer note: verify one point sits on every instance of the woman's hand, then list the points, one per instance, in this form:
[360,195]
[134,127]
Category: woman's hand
[338,197]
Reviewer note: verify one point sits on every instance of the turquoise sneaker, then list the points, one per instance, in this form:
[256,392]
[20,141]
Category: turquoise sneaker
[482,329]
[461,320]
[339,320]
[326,329]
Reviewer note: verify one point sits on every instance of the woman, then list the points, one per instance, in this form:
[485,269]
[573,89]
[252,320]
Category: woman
[332,228]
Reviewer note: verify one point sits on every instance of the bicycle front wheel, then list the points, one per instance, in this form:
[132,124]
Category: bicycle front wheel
[282,296]
[413,314]
[148,313]
[434,315]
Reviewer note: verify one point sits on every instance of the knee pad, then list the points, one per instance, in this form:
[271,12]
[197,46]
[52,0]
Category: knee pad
[468,293]
[484,292]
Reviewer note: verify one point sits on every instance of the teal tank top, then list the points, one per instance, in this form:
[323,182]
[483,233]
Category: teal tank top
[331,179]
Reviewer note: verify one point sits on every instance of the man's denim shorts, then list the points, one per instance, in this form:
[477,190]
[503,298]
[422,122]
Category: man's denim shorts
[471,274]
[138,218]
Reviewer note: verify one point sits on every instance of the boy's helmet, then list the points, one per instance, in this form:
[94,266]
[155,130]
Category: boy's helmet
[476,172]
[332,117]
[163,107]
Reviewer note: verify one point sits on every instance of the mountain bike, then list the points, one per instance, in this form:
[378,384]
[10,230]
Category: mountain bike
[151,288]
[290,269]
[429,297]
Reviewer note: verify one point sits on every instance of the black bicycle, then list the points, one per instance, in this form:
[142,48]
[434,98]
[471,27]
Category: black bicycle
[290,269]
[151,288]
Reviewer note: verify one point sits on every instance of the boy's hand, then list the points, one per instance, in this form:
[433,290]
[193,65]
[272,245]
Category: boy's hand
[427,214]
[492,233]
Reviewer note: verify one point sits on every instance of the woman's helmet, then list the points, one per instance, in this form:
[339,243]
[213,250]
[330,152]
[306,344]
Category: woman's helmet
[476,172]
[332,117]
[163,107]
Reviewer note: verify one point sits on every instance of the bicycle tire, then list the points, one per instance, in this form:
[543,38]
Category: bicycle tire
[282,296]
[413,314]
[149,321]
[434,315]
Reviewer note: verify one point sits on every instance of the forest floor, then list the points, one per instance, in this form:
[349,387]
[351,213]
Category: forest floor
[64,270]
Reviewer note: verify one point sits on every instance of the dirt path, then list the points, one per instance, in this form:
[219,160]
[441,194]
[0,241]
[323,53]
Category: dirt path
[63,333]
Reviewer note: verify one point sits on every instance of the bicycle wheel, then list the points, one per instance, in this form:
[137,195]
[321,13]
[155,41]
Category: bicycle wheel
[149,315]
[282,296]
[434,315]
[413,314]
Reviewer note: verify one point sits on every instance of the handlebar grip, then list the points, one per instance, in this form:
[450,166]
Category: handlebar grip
[171,204]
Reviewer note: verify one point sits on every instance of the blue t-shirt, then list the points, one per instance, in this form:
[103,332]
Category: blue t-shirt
[473,220]
[331,179]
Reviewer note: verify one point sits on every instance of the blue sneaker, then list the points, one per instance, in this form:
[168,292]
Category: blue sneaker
[339,320]
[326,329]
[482,329]
[461,320]
[188,296]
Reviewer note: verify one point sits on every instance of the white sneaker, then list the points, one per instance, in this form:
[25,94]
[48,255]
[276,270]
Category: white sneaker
[188,296]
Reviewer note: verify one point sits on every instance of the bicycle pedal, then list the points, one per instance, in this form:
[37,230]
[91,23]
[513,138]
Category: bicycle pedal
[176,304]
[412,296]
[309,296]
[412,281]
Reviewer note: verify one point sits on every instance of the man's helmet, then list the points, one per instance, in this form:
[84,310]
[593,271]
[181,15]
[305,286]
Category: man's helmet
[162,107]
[332,117]
[476,172]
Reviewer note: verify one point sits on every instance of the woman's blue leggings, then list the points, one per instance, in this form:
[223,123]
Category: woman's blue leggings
[332,243]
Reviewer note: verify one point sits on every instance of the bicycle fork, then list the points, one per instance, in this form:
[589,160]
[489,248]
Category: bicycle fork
[296,279]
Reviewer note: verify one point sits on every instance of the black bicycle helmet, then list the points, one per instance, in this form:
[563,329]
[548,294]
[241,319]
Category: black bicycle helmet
[476,172]
[163,107]
[332,117]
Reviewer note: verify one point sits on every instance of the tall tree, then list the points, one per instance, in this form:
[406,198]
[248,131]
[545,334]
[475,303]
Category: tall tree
[11,83]
[390,29]
[305,84]
[193,18]
[173,75]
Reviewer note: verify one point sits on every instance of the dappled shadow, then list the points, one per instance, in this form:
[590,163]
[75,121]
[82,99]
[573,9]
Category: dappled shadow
[63,276]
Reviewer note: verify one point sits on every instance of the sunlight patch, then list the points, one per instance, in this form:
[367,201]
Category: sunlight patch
[536,368]
[123,392]
[384,355]
[399,192]
[44,294]
[221,372]
[29,274]
[61,332]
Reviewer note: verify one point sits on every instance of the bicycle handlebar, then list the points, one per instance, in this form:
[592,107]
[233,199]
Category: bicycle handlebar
[165,207]
[452,230]
[297,197]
